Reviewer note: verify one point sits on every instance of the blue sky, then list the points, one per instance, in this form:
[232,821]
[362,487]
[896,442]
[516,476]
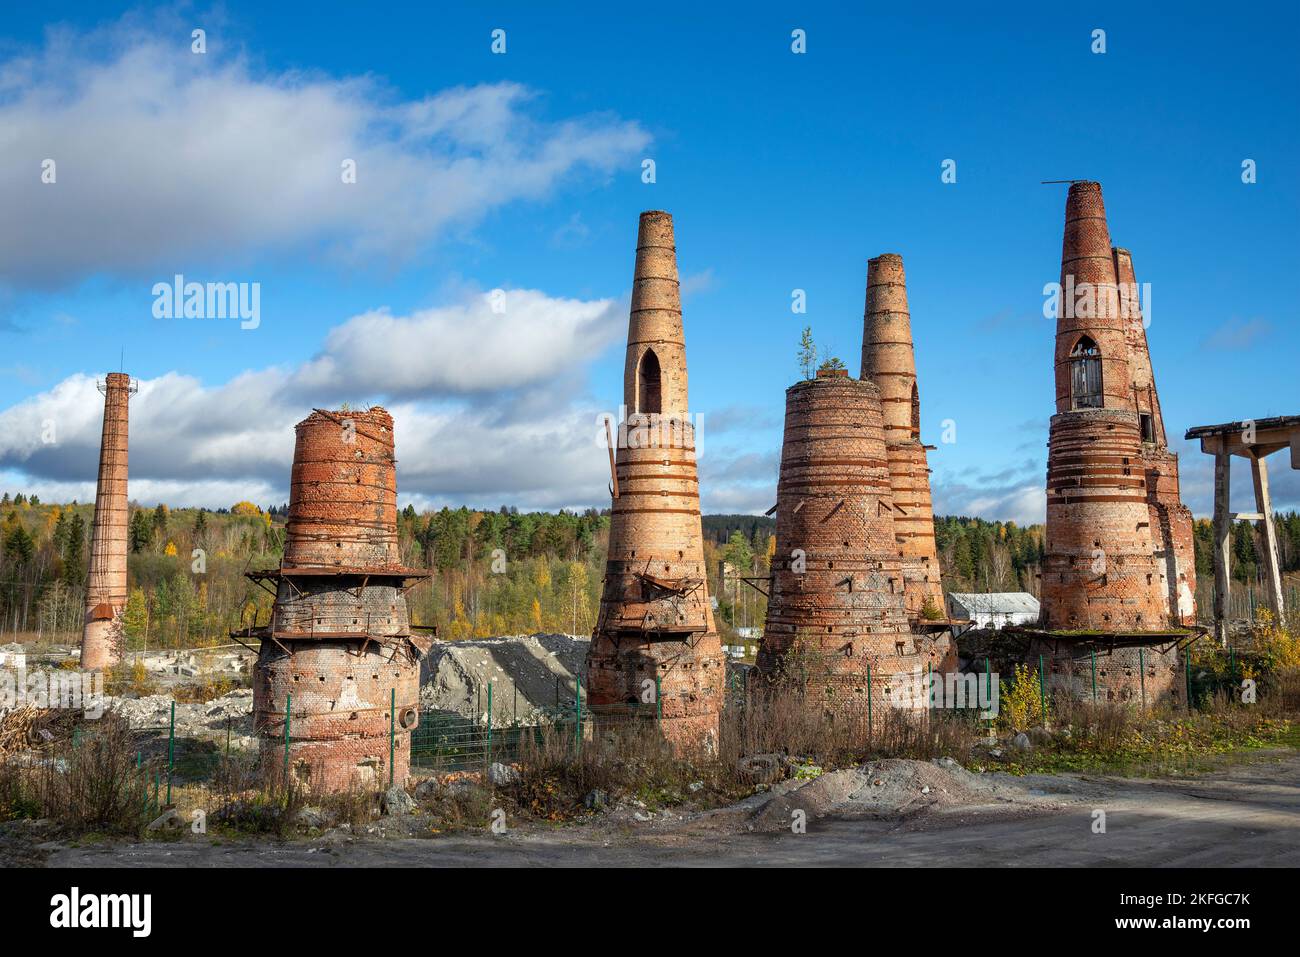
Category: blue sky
[522,172]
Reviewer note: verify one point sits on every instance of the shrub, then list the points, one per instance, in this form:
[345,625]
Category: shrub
[1020,701]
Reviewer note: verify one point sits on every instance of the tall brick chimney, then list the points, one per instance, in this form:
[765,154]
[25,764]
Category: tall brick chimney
[655,625]
[888,361]
[1118,540]
[837,614]
[102,639]
[339,652]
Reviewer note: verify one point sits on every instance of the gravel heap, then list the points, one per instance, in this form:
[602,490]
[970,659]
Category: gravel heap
[527,672]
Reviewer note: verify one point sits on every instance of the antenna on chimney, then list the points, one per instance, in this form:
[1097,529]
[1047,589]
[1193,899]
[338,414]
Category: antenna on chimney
[1045,182]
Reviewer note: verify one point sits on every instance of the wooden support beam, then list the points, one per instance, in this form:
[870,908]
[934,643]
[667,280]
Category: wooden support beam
[1222,539]
[613,469]
[1272,568]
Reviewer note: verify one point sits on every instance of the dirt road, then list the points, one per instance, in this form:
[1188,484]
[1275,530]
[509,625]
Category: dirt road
[1245,815]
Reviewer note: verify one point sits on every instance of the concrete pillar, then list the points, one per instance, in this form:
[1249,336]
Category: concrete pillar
[102,639]
[1222,540]
[1268,534]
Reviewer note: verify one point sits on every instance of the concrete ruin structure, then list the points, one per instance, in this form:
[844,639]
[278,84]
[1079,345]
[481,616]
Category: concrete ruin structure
[1119,576]
[102,638]
[889,362]
[654,651]
[837,614]
[1254,440]
[336,684]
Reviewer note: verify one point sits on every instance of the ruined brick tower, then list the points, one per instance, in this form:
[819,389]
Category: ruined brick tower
[656,623]
[888,361]
[1118,539]
[101,636]
[837,610]
[338,656]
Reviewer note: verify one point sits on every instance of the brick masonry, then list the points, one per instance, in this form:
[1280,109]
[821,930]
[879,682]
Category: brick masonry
[837,610]
[102,637]
[655,624]
[340,640]
[888,361]
[1118,538]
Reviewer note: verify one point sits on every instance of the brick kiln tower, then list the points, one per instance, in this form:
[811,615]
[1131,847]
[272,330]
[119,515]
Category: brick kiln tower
[101,636]
[888,361]
[1118,541]
[655,621]
[339,653]
[837,609]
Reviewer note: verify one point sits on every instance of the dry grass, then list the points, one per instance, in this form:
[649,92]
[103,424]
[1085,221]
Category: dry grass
[629,759]
[89,782]
[205,690]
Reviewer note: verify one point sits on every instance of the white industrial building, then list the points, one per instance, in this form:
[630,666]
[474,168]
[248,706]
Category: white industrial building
[994,609]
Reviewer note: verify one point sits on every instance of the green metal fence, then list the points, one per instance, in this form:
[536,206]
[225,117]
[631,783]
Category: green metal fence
[448,741]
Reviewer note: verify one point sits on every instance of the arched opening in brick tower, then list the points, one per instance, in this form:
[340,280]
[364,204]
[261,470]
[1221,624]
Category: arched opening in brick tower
[916,412]
[649,388]
[1085,375]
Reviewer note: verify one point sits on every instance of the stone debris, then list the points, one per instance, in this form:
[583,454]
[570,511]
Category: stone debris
[763,768]
[169,820]
[397,801]
[525,672]
[192,719]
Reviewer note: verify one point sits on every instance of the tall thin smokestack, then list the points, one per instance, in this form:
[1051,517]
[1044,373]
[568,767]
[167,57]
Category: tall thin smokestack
[889,362]
[101,637]
[654,652]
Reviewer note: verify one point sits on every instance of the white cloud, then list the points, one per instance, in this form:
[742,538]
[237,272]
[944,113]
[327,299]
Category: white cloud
[1024,504]
[163,156]
[483,414]
[489,344]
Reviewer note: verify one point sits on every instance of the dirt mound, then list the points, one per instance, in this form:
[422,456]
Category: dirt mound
[890,788]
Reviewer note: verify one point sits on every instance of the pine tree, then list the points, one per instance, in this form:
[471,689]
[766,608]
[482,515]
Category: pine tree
[140,533]
[807,353]
[74,563]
